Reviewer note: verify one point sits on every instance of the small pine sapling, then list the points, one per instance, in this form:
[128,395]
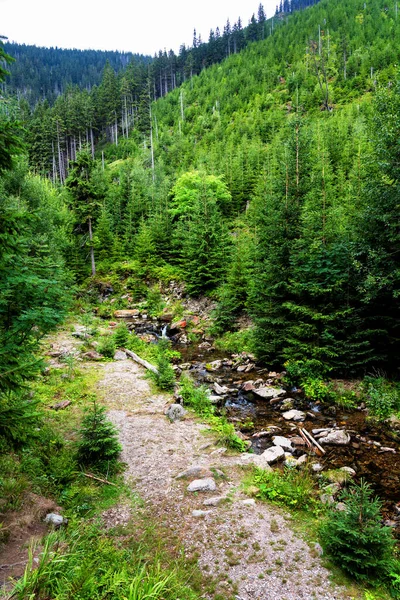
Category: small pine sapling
[121,336]
[99,446]
[355,538]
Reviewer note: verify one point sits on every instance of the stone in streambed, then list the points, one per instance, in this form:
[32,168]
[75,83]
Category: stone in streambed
[283,442]
[294,415]
[269,457]
[337,437]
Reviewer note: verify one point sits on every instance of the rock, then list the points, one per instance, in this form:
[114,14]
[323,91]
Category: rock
[201,513]
[195,471]
[215,365]
[269,456]
[341,507]
[215,399]
[249,502]
[166,317]
[127,313]
[202,485]
[214,501]
[317,468]
[287,404]
[248,386]
[175,412]
[185,366]
[387,449]
[294,415]
[290,461]
[283,442]
[92,355]
[349,471]
[220,389]
[261,434]
[297,440]
[318,549]
[120,355]
[269,392]
[241,368]
[302,460]
[337,437]
[204,346]
[327,499]
[55,520]
[61,405]
[393,422]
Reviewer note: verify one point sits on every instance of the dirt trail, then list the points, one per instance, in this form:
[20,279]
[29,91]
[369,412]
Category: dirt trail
[248,546]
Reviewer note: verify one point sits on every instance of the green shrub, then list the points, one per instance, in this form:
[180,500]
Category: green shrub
[107,346]
[355,538]
[121,336]
[382,397]
[288,488]
[99,446]
[195,397]
[310,376]
[154,301]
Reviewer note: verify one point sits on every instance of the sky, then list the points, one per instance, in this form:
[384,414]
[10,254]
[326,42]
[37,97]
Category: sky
[141,26]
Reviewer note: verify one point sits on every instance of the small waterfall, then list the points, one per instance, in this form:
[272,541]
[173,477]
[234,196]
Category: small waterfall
[164,332]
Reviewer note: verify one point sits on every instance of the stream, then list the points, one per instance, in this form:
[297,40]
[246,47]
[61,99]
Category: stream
[372,450]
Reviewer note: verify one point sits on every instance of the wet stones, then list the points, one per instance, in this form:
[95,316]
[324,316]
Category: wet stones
[294,415]
[269,456]
[336,437]
[269,392]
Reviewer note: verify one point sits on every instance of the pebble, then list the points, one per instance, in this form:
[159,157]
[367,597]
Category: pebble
[201,513]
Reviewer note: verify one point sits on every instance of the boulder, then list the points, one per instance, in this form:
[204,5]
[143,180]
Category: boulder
[120,355]
[283,442]
[336,437]
[248,386]
[127,313]
[269,456]
[202,485]
[175,412]
[294,415]
[55,520]
[268,392]
[215,365]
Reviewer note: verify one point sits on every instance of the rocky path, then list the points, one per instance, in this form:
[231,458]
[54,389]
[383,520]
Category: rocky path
[246,546]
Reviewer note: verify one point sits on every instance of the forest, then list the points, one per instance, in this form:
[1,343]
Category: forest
[259,170]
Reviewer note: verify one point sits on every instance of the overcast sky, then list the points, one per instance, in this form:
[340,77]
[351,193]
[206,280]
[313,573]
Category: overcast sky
[138,26]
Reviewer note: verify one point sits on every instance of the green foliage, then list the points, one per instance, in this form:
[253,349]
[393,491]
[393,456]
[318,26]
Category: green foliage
[355,538]
[382,397]
[154,301]
[121,336]
[290,488]
[107,346]
[19,418]
[98,446]
[71,563]
[165,378]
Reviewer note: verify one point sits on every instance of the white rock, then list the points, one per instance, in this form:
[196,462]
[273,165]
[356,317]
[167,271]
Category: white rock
[269,392]
[294,415]
[302,460]
[175,412]
[317,467]
[214,501]
[349,471]
[202,485]
[269,456]
[201,513]
[249,502]
[54,519]
[338,437]
[220,389]
[120,355]
[283,442]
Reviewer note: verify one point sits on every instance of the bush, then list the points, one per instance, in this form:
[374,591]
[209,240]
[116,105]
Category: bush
[382,397]
[107,346]
[355,537]
[121,336]
[99,446]
[19,418]
[166,375]
[310,375]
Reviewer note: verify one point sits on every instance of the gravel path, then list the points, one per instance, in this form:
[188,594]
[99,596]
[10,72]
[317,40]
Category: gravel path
[246,545]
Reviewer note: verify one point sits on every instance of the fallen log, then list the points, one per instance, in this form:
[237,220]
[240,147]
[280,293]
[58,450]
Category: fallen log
[313,441]
[141,361]
[90,476]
